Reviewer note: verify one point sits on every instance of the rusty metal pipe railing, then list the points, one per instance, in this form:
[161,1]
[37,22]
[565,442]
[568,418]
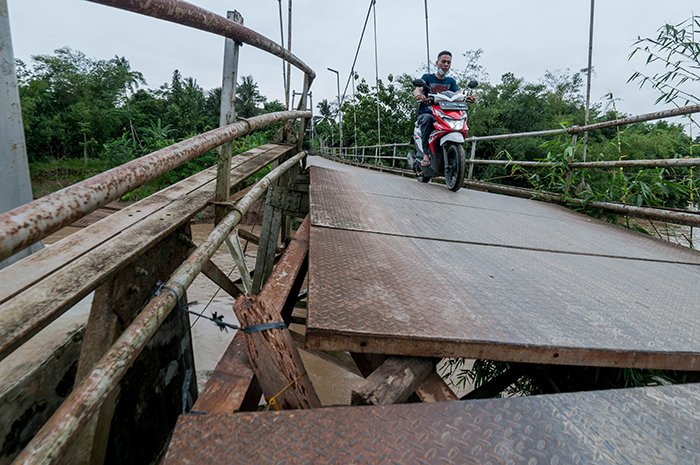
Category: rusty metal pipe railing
[25,225]
[592,127]
[671,216]
[657,163]
[51,442]
[180,12]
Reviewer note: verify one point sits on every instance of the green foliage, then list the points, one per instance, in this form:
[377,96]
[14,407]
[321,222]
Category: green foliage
[677,49]
[68,98]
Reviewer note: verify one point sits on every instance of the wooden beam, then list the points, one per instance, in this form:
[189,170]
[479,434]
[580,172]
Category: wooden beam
[434,389]
[393,382]
[497,385]
[232,386]
[213,272]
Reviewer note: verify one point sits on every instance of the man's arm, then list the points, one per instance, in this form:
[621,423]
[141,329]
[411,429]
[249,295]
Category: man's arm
[418,94]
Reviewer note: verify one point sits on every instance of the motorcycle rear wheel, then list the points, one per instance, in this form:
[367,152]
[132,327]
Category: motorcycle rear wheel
[454,165]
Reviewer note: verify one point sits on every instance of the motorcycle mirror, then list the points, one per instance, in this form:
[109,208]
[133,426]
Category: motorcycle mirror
[472,84]
[419,83]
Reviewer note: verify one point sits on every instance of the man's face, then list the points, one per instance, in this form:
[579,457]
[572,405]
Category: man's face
[444,62]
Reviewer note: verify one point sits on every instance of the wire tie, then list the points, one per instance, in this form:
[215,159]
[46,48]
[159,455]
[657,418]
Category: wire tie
[273,401]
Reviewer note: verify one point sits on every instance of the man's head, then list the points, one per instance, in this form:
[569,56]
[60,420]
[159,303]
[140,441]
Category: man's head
[444,62]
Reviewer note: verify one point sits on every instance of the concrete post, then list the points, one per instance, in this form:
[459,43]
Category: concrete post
[15,182]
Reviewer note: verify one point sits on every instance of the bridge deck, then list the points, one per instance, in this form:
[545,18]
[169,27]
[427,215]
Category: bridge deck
[399,267]
[646,425]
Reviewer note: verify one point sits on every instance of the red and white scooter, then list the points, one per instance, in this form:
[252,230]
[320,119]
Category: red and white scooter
[448,158]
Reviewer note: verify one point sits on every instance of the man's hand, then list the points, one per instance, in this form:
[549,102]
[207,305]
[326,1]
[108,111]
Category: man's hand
[471,98]
[418,94]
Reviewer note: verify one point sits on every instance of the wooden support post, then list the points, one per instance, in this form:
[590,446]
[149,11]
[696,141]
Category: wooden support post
[236,251]
[273,355]
[103,328]
[115,304]
[272,220]
[393,382]
[228,116]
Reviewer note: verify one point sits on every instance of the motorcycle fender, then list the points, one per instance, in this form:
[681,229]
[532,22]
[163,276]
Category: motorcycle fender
[452,137]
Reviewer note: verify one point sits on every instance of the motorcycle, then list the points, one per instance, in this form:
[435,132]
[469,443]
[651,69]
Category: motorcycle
[448,158]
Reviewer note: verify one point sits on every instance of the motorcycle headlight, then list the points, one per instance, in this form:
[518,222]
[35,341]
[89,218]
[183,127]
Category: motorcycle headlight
[456,125]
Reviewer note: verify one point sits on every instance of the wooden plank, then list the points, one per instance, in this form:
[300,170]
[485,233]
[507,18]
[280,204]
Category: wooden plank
[393,382]
[231,381]
[23,274]
[434,389]
[27,313]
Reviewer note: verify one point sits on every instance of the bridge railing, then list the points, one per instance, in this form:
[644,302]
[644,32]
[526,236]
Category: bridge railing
[356,156]
[30,223]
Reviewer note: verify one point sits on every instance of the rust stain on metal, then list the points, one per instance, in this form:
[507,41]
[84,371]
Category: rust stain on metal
[25,225]
[193,16]
[644,425]
[55,436]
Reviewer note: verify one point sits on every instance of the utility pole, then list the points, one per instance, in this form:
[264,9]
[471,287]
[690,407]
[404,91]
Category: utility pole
[15,181]
[340,113]
[427,40]
[588,87]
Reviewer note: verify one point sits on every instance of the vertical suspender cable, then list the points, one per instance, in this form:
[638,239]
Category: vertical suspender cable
[376,72]
[357,52]
[284,73]
[289,48]
[588,89]
[427,40]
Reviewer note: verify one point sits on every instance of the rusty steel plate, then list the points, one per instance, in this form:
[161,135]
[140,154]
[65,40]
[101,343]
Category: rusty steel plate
[377,202]
[386,292]
[644,425]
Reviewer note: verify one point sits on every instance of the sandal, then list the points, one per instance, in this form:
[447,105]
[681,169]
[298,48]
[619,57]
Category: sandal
[425,162]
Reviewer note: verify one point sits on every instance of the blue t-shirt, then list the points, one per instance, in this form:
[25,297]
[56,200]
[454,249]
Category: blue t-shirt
[435,86]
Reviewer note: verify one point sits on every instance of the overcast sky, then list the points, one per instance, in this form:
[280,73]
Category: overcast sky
[526,38]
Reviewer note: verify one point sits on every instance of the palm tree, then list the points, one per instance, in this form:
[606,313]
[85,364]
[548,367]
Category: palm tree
[248,97]
[326,115]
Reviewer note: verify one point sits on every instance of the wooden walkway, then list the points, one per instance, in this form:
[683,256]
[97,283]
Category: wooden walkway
[402,268]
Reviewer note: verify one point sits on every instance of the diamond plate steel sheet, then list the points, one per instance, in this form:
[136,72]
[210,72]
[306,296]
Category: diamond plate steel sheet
[378,202]
[645,425]
[486,276]
[395,295]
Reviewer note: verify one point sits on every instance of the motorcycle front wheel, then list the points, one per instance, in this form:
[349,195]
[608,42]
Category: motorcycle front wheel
[454,165]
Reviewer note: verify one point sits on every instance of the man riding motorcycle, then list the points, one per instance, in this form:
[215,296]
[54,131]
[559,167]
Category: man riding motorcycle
[436,83]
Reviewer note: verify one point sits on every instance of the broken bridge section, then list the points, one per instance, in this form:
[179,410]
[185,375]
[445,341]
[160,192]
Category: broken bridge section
[403,268]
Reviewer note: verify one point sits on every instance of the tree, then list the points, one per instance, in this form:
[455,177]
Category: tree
[70,100]
[248,98]
[326,118]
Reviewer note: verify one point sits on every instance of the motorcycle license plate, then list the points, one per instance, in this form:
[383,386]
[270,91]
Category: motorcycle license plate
[453,106]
